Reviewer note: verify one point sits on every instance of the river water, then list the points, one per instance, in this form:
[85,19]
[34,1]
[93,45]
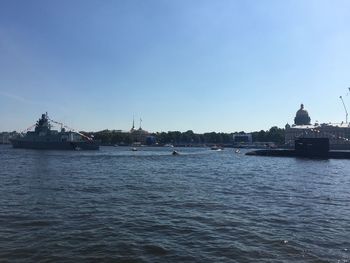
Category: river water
[115,205]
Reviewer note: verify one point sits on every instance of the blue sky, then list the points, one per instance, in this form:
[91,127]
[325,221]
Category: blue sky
[188,64]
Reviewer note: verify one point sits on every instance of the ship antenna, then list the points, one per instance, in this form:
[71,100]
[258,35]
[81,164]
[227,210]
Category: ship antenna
[346,111]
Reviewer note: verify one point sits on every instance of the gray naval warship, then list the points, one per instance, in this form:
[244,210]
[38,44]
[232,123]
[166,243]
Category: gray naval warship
[44,138]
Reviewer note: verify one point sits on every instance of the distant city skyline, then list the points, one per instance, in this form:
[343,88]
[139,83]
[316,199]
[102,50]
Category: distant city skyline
[222,66]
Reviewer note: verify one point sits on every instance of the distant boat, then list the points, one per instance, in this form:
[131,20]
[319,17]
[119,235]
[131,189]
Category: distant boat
[175,153]
[216,148]
[43,138]
[168,145]
[134,149]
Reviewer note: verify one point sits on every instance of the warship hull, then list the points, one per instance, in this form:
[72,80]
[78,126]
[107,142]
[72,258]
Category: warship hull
[44,138]
[42,145]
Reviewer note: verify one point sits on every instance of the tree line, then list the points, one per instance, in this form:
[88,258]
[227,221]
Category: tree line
[112,137]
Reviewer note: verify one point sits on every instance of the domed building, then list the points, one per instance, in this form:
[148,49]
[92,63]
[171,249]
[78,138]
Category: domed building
[302,117]
[338,133]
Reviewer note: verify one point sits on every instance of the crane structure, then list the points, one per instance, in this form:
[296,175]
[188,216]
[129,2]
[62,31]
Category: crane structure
[346,111]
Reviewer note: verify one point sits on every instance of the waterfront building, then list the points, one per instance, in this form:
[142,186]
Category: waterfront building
[6,136]
[242,139]
[338,133]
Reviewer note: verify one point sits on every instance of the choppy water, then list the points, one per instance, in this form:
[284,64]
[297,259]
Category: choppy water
[115,205]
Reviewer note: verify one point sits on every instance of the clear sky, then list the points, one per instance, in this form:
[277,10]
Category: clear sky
[187,64]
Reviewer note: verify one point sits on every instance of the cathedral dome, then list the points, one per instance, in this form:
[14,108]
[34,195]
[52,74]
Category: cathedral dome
[302,117]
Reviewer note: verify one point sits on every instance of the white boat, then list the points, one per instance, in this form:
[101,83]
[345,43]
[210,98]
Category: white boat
[216,148]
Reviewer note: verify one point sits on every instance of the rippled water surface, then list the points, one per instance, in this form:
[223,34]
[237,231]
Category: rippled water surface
[115,205]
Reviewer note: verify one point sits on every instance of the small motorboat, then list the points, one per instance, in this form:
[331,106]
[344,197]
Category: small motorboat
[134,149]
[237,151]
[216,148]
[175,153]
